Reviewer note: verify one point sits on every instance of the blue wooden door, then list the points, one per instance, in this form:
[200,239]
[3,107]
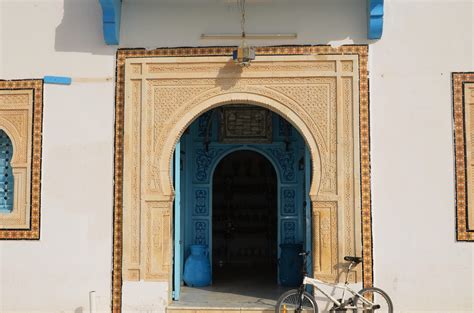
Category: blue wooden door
[178,241]
[200,152]
[307,209]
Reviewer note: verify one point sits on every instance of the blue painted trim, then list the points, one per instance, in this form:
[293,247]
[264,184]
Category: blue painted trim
[177,225]
[111,11]
[375,13]
[308,227]
[58,80]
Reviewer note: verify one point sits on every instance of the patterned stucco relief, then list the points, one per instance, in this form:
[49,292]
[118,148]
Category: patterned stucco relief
[21,120]
[320,90]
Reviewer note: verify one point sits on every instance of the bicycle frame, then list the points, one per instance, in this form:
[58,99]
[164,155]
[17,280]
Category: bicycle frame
[346,289]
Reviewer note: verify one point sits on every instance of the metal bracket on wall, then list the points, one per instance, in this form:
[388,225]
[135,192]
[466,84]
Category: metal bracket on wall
[111,11]
[375,12]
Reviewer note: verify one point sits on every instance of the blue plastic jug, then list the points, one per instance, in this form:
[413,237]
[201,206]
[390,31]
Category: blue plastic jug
[197,268]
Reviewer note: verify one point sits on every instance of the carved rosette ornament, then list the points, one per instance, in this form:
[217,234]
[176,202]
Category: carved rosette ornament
[322,91]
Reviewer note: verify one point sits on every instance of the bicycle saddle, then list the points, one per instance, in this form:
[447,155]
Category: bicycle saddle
[354,259]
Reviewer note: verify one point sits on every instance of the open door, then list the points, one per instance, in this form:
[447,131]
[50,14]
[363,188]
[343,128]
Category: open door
[178,257]
[307,210]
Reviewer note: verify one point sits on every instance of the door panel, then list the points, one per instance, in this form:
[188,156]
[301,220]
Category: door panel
[178,258]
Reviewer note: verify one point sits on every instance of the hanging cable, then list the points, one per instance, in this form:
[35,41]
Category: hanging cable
[243,54]
[242,17]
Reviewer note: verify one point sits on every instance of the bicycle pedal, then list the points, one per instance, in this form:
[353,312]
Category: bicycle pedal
[337,309]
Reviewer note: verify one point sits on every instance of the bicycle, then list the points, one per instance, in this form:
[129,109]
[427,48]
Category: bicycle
[367,300]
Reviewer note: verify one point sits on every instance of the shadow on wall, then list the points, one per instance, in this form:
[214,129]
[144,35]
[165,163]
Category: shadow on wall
[79,310]
[81,29]
[178,23]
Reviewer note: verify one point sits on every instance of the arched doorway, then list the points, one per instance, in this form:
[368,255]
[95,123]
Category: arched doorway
[244,220]
[328,105]
[242,192]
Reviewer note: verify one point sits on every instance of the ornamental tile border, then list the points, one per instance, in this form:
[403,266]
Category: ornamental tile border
[459,80]
[123,54]
[36,87]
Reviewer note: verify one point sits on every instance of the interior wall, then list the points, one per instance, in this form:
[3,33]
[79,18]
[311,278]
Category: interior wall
[416,258]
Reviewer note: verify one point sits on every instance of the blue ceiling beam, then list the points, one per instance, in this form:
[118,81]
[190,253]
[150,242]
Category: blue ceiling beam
[375,19]
[111,10]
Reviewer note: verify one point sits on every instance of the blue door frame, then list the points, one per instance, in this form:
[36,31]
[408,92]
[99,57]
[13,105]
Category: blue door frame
[177,225]
[308,244]
[193,201]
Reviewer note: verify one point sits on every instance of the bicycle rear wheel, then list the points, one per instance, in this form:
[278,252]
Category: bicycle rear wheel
[379,298]
[290,301]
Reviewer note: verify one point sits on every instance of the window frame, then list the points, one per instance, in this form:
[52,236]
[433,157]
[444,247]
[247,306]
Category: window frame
[21,102]
[6,207]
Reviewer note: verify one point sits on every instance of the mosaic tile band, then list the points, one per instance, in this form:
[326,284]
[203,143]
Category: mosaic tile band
[462,230]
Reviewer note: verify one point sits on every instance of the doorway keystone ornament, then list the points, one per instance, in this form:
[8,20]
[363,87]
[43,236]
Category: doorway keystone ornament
[322,91]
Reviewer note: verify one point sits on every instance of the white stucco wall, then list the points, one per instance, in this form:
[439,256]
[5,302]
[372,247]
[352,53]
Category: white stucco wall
[416,258]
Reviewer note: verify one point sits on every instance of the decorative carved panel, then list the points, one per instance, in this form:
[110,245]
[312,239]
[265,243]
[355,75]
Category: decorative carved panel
[289,229]
[288,201]
[21,107]
[244,124]
[463,87]
[325,240]
[322,91]
[204,159]
[201,202]
[157,240]
[200,232]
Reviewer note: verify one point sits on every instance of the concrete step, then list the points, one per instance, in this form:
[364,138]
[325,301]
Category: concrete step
[177,309]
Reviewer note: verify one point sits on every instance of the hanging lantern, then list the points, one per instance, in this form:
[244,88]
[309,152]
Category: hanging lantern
[243,55]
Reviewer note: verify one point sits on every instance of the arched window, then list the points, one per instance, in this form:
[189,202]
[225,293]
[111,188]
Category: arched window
[6,173]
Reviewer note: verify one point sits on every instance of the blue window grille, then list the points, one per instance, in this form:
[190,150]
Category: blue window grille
[6,173]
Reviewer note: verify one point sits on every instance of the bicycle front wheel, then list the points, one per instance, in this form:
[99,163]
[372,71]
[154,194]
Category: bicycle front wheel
[293,302]
[374,300]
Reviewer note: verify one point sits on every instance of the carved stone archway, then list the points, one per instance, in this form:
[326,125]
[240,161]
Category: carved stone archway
[183,117]
[322,91]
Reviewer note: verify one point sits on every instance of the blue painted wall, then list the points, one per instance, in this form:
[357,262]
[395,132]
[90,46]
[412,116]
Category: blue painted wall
[201,152]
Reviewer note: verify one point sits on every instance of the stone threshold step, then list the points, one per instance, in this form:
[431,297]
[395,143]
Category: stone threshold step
[172,309]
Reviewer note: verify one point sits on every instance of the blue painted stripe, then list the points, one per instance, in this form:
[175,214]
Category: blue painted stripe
[59,80]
